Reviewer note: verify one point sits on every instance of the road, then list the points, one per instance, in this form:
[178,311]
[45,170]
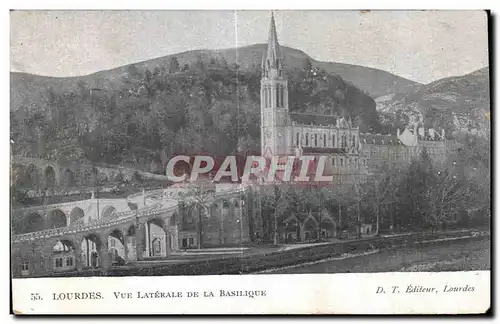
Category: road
[454,256]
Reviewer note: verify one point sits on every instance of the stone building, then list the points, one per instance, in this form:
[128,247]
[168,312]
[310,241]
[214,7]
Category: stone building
[285,133]
[383,151]
[418,138]
[232,218]
[350,152]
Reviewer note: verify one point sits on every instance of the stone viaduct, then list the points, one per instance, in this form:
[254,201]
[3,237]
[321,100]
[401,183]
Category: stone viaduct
[39,175]
[71,237]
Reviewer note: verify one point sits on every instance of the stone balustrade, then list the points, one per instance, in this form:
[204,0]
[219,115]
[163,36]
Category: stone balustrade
[90,227]
[116,219]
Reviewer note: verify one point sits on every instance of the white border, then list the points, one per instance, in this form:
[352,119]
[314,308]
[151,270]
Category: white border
[348,293]
[144,4]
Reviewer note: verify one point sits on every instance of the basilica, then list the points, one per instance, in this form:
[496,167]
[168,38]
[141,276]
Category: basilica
[285,133]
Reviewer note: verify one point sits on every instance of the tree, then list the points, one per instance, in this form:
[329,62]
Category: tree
[275,202]
[133,72]
[199,194]
[412,196]
[307,65]
[173,65]
[380,190]
[224,62]
[180,113]
[445,197]
[313,199]
[137,177]
[199,63]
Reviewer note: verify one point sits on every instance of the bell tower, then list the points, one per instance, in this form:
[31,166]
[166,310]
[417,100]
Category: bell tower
[274,99]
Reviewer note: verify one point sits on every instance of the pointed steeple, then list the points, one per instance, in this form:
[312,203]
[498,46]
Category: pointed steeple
[272,59]
[273,47]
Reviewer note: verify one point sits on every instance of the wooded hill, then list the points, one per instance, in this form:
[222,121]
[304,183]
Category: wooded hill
[458,104]
[144,113]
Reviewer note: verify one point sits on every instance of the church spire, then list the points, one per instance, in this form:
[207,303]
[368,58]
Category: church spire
[272,58]
[273,47]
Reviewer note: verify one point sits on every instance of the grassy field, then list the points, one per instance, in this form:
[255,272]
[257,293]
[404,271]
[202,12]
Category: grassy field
[447,256]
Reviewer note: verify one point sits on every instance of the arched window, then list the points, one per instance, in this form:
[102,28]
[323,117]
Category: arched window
[156,246]
[265,97]
[316,140]
[278,103]
[25,265]
[264,94]
[324,140]
[343,142]
[333,140]
[282,93]
[297,139]
[269,98]
[353,140]
[307,139]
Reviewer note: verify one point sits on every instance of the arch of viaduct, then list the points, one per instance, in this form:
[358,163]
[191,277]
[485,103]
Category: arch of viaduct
[37,174]
[34,252]
[74,213]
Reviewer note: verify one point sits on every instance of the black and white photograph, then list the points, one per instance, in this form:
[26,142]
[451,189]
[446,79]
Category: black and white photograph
[248,143]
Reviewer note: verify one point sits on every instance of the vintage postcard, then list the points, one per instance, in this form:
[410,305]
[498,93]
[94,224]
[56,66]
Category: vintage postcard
[250,162]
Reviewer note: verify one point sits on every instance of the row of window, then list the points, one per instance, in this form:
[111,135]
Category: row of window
[188,242]
[280,96]
[60,261]
[350,161]
[25,265]
[313,141]
[383,150]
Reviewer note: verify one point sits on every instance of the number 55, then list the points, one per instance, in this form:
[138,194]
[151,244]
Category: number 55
[35,296]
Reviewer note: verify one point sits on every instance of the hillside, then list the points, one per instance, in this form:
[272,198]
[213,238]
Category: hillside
[152,110]
[373,81]
[27,89]
[460,103]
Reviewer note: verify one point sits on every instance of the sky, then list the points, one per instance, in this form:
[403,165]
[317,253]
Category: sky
[422,46]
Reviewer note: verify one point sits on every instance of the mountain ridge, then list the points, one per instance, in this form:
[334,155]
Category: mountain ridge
[374,82]
[457,103]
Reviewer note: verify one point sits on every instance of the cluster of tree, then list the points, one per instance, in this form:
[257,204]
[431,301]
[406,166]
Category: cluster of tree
[202,107]
[420,197]
[314,90]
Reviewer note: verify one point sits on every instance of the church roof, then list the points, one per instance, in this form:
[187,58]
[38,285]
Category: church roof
[313,119]
[379,139]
